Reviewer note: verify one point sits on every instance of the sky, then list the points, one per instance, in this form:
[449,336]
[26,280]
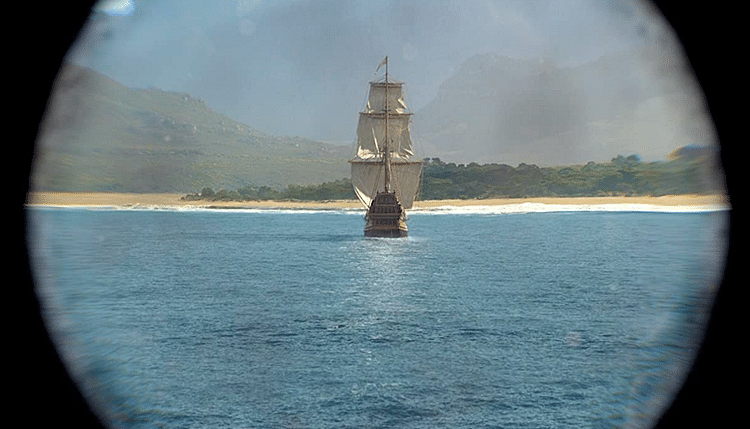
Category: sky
[301,67]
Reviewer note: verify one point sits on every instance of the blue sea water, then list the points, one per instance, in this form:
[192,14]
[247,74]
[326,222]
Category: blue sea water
[285,319]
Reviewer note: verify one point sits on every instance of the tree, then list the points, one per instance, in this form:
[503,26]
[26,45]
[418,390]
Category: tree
[632,160]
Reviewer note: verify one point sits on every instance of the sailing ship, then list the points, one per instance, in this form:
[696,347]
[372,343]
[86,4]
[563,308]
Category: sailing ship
[385,169]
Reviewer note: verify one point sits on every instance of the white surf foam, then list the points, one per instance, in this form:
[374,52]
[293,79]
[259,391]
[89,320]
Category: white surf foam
[523,208]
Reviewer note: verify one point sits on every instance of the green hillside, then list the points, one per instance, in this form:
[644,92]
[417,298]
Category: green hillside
[102,136]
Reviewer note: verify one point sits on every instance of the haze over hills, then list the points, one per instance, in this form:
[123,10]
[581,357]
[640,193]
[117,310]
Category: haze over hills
[508,110]
[101,136]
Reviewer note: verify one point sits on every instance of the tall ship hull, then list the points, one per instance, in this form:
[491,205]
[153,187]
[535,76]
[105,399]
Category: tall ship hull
[385,170]
[385,217]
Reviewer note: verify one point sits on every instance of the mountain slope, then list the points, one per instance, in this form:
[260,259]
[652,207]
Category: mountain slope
[102,136]
[508,110]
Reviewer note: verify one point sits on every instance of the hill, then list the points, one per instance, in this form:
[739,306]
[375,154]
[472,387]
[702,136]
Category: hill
[509,110]
[102,136]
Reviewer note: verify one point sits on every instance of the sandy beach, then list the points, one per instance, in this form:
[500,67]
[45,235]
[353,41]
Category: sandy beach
[131,200]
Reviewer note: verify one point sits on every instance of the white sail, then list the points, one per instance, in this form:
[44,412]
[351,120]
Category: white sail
[367,179]
[371,132]
[376,99]
[406,182]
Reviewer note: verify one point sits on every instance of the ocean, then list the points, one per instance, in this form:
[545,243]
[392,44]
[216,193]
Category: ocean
[529,316]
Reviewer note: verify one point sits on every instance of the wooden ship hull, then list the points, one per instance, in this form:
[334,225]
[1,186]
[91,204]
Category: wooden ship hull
[386,217]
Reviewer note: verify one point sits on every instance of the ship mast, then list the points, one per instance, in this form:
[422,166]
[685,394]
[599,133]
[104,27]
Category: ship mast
[386,149]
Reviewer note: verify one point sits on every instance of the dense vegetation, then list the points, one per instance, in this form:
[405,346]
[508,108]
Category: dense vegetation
[622,176]
[337,190]
[691,171]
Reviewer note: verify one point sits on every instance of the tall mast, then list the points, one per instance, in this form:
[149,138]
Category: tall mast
[386,154]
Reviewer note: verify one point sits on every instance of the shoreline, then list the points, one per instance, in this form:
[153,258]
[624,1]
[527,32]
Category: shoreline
[132,200]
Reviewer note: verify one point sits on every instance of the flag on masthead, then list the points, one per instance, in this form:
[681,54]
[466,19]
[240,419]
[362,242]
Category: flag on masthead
[382,63]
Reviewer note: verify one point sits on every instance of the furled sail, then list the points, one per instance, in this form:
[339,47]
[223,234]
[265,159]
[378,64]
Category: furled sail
[368,166]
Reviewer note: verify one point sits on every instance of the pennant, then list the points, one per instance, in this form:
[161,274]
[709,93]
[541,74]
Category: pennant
[385,61]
